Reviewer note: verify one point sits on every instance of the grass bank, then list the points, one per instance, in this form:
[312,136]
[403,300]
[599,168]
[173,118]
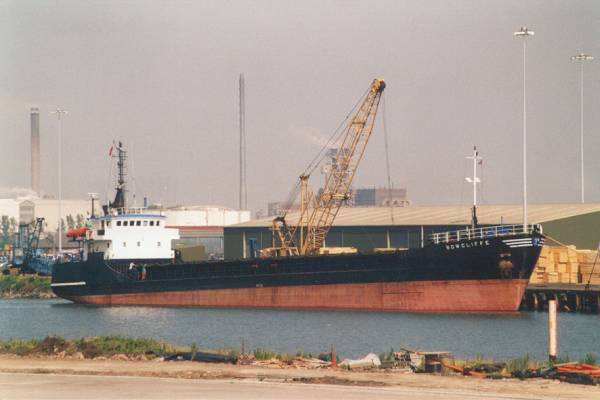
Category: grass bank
[91,347]
[25,287]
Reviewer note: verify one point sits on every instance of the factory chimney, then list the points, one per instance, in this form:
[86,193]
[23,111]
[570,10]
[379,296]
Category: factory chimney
[35,150]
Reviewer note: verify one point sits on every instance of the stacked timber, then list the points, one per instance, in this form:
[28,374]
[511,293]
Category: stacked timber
[587,270]
[564,264]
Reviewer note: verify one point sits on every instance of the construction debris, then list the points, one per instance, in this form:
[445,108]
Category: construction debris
[201,357]
[367,362]
[296,362]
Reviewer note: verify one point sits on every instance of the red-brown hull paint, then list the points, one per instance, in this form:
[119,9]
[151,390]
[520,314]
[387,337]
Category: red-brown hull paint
[497,295]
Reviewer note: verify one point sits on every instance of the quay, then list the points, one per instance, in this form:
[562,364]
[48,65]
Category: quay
[570,297]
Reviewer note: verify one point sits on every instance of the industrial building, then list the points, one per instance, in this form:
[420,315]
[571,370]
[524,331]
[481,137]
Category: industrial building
[361,197]
[25,210]
[203,225]
[368,228]
[380,197]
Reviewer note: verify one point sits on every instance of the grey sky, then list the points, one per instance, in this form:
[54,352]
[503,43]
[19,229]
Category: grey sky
[162,77]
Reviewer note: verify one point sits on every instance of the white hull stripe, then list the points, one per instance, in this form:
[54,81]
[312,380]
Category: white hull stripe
[525,242]
[68,284]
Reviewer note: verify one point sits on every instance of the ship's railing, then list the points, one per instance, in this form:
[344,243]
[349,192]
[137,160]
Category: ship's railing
[484,232]
[135,210]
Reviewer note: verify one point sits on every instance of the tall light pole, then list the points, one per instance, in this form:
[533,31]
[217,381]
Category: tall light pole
[581,57]
[524,33]
[59,113]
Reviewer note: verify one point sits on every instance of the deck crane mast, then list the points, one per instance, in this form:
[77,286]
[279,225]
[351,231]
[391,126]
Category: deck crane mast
[317,213]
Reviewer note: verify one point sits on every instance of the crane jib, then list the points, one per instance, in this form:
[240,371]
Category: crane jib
[318,213]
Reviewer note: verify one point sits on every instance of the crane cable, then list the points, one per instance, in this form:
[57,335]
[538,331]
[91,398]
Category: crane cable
[318,159]
[387,158]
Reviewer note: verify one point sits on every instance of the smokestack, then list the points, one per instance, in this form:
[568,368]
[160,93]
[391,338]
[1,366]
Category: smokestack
[35,150]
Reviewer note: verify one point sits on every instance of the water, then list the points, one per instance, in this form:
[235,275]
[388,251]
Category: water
[352,333]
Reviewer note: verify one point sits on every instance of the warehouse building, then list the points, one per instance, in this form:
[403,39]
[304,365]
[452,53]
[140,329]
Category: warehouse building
[368,228]
[203,226]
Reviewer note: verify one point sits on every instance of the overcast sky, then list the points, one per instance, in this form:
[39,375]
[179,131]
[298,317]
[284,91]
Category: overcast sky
[162,77]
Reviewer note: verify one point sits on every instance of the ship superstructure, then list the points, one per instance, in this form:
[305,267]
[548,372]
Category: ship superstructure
[126,234]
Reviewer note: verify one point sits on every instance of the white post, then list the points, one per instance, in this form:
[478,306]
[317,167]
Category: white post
[524,33]
[58,113]
[552,337]
[581,131]
[581,58]
[524,136]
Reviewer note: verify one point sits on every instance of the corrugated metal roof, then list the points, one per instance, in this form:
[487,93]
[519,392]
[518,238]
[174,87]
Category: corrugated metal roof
[444,215]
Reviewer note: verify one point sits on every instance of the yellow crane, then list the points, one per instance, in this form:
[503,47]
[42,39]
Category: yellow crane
[317,213]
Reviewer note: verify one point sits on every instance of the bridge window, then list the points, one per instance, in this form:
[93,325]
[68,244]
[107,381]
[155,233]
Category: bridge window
[145,223]
[139,244]
[158,244]
[151,223]
[125,223]
[138,223]
[124,244]
[118,223]
[157,223]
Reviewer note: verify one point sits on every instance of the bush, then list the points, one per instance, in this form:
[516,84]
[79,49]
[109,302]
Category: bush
[518,364]
[387,356]
[589,359]
[118,344]
[25,285]
[264,354]
[89,350]
[52,345]
[18,346]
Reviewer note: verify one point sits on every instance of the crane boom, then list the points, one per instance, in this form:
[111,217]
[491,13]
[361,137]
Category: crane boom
[338,182]
[318,213]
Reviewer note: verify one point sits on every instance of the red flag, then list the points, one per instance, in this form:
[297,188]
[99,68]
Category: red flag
[110,151]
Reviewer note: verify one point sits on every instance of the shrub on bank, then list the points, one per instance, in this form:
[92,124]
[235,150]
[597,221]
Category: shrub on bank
[121,345]
[25,286]
[90,347]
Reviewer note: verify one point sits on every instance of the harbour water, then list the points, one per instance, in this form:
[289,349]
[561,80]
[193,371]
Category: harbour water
[352,333]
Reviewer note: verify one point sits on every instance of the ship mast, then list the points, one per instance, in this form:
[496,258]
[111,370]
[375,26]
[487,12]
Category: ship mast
[474,180]
[119,202]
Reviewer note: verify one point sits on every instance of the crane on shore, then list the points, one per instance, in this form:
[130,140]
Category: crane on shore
[317,212]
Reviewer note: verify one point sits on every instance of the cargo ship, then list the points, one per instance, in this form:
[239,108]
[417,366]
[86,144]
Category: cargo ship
[127,259]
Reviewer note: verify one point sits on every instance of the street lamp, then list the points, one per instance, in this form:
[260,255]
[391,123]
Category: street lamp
[524,33]
[59,113]
[93,197]
[581,57]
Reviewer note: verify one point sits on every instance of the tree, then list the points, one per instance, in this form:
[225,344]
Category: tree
[62,226]
[80,221]
[12,222]
[70,222]
[5,227]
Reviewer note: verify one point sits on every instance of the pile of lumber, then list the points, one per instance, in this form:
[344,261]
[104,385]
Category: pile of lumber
[565,264]
[587,271]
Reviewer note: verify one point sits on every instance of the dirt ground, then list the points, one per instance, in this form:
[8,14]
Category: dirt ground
[533,388]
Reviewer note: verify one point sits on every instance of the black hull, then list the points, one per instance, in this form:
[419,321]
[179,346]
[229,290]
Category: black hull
[478,260]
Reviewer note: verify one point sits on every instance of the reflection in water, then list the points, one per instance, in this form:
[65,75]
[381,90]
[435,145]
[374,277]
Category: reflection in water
[352,333]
